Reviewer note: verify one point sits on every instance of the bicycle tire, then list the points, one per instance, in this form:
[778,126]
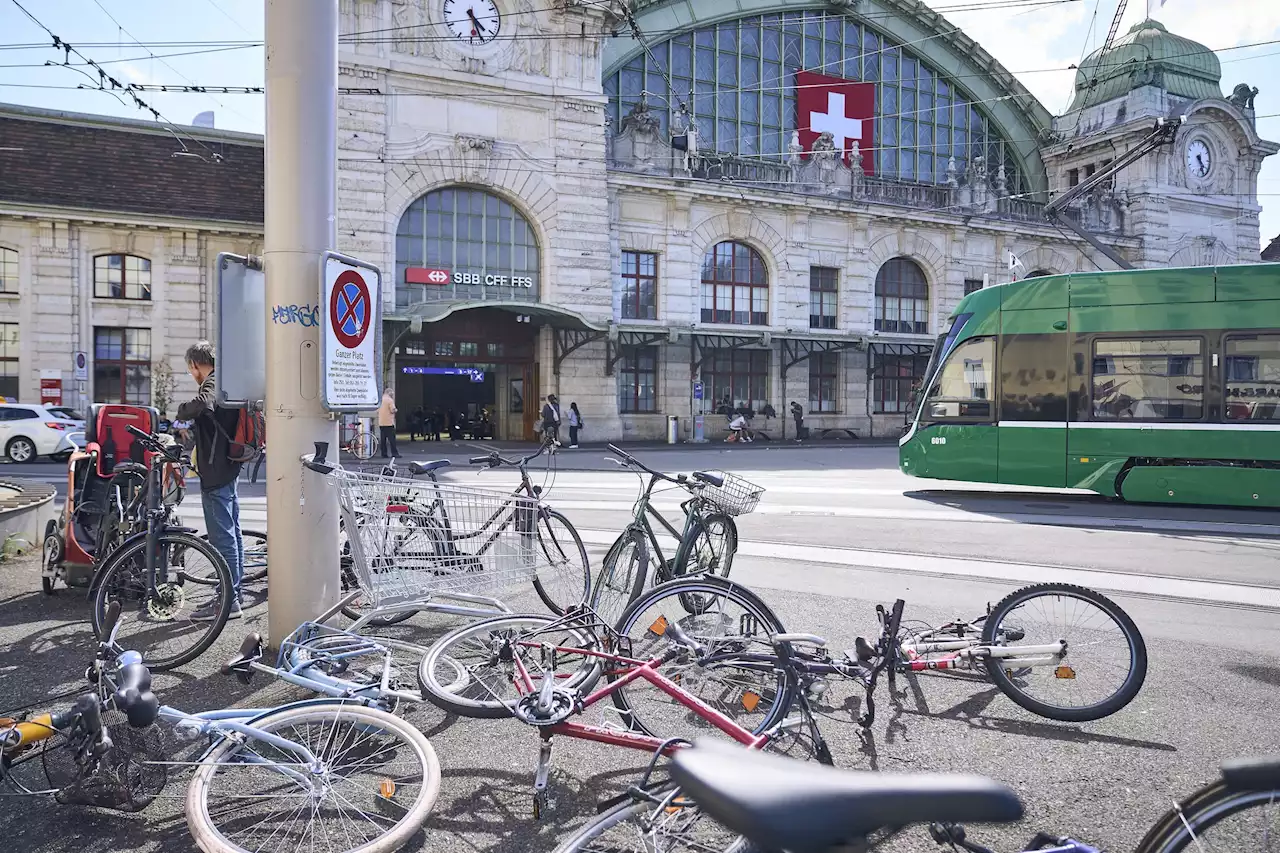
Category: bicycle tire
[363,446]
[1183,827]
[703,529]
[259,550]
[621,580]
[363,722]
[705,589]
[680,821]
[361,673]
[121,561]
[486,705]
[558,584]
[1006,681]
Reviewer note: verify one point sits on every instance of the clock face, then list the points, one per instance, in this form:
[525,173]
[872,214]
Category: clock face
[1198,163]
[472,21]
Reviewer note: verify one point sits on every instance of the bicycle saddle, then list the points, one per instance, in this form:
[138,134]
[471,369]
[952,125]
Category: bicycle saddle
[424,467]
[1252,774]
[784,804]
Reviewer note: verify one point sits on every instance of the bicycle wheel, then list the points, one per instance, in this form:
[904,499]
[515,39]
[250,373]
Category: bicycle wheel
[563,577]
[377,781]
[363,446]
[622,576]
[708,547]
[360,665]
[255,560]
[1105,661]
[158,622]
[730,619]
[1218,818]
[673,825]
[471,671]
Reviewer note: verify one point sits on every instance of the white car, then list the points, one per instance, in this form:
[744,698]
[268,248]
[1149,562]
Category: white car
[28,430]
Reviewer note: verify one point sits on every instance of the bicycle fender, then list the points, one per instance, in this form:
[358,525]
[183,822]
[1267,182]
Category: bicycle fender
[302,703]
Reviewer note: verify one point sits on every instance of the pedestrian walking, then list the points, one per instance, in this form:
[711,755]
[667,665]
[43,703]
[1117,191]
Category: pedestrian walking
[575,424]
[387,424]
[213,427]
[416,426]
[551,418]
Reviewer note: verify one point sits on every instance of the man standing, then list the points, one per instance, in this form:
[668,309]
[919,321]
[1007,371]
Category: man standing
[551,418]
[213,428]
[387,424]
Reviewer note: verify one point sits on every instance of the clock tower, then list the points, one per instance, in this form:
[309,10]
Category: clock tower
[1189,203]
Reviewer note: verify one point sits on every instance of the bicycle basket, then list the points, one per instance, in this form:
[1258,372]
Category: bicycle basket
[126,779]
[736,496]
[410,539]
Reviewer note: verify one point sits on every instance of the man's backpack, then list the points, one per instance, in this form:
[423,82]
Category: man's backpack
[250,437]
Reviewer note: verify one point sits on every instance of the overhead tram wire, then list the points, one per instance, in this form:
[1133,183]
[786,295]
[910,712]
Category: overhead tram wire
[116,86]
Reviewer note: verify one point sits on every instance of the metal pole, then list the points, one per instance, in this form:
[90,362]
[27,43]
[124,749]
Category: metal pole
[301,192]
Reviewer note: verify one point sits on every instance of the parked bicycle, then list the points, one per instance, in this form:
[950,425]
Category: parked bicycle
[148,574]
[733,799]
[707,541]
[544,672]
[363,444]
[1060,651]
[317,771]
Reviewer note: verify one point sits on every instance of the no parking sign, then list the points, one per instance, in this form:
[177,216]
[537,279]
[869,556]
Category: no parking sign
[351,334]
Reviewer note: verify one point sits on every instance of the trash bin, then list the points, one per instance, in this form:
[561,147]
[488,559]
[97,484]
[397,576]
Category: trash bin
[673,429]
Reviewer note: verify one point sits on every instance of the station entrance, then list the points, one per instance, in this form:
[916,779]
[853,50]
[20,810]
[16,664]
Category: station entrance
[470,376]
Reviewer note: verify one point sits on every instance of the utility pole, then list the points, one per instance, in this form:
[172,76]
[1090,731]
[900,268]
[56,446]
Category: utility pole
[301,200]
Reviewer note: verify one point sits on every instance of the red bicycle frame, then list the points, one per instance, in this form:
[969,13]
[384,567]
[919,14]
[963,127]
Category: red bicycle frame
[632,670]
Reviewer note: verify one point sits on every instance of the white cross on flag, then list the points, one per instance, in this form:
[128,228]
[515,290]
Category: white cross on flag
[845,108]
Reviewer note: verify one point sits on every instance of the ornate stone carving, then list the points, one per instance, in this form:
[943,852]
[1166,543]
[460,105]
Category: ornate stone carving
[1242,96]
[474,154]
[953,177]
[531,49]
[411,20]
[794,149]
[639,144]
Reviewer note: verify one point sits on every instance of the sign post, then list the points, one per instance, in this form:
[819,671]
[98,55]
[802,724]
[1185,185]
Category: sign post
[301,206]
[350,334]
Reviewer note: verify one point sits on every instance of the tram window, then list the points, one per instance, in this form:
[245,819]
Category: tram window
[963,387]
[1148,380]
[1033,377]
[1252,377]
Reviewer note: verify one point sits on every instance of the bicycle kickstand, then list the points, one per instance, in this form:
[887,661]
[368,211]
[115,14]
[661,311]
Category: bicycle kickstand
[542,775]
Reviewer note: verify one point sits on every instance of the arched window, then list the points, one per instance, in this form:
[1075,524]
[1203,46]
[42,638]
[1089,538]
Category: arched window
[462,243]
[902,298]
[8,271]
[735,285]
[1038,274]
[121,277]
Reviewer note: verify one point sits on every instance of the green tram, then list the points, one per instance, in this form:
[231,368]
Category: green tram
[1145,385]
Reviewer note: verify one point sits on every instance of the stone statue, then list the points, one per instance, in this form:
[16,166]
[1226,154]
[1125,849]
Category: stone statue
[1242,96]
[855,159]
[1002,182]
[640,119]
[794,149]
[406,17]
[825,157]
[531,47]
[953,179]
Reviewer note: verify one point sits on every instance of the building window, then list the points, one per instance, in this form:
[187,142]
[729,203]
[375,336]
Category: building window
[738,79]
[1252,377]
[972,285]
[9,361]
[8,271]
[1073,177]
[902,298]
[894,376]
[737,378]
[638,380]
[495,350]
[823,376]
[465,244]
[1089,171]
[122,366]
[414,348]
[822,297]
[1148,379]
[639,286]
[121,277]
[443,348]
[468,348]
[735,286]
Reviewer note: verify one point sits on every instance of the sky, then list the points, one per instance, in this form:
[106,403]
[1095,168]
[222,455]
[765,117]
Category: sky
[1037,44]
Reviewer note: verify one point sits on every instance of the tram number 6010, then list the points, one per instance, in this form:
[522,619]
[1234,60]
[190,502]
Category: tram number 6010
[938,439]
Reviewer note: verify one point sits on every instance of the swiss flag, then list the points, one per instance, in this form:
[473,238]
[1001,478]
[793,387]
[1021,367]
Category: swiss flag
[845,107]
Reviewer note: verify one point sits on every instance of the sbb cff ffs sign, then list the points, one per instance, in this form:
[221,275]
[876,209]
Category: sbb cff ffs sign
[439,277]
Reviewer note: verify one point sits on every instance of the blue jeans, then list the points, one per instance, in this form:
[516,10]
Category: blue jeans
[222,518]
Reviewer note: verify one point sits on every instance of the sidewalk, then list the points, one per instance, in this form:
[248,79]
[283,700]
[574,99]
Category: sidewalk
[424,449]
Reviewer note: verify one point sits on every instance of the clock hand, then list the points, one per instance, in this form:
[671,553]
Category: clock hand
[475,21]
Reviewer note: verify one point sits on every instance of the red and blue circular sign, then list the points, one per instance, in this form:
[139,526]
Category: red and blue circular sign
[350,309]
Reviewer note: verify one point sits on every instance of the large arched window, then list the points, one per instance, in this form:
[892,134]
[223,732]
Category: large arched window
[738,79]
[735,285]
[8,270]
[902,298]
[462,243]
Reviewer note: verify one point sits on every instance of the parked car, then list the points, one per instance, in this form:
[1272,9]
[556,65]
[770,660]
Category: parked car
[28,430]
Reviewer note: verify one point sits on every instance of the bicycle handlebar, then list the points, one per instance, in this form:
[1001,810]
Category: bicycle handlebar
[493,459]
[172,453]
[133,696]
[629,460]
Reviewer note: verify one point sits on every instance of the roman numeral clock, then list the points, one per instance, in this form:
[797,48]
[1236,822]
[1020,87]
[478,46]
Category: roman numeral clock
[472,22]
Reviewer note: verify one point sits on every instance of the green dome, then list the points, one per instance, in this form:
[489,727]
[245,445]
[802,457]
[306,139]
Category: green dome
[1148,55]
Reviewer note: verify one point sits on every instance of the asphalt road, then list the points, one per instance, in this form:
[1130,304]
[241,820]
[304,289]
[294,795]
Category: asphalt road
[838,531]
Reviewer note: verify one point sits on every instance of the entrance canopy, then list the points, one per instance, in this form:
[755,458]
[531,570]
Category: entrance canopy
[538,313]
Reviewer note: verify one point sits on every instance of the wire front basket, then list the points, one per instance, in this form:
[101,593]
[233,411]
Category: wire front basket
[127,778]
[737,496]
[411,539]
